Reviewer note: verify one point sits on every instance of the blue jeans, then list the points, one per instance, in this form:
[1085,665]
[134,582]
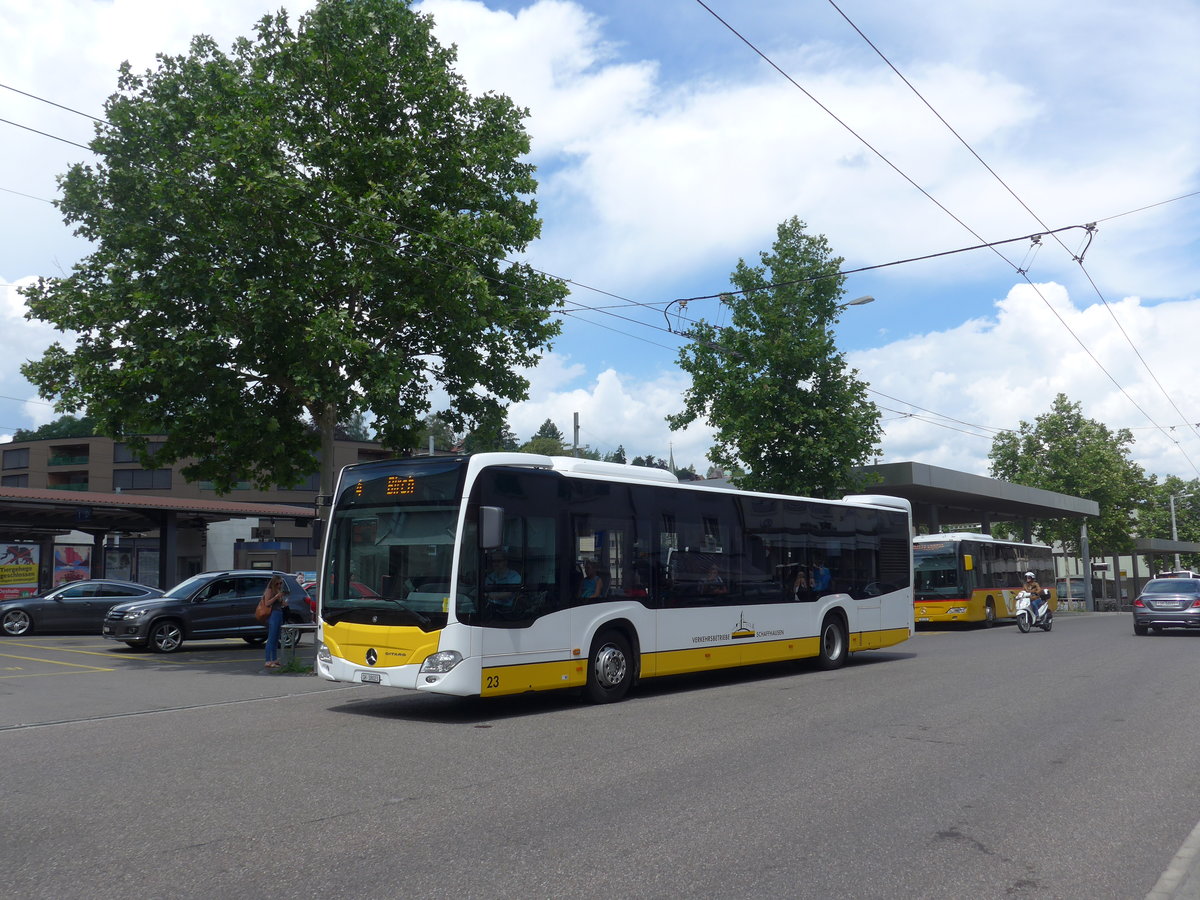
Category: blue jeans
[274,625]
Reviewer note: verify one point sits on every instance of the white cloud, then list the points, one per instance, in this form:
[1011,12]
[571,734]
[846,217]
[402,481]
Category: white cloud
[21,340]
[614,410]
[995,373]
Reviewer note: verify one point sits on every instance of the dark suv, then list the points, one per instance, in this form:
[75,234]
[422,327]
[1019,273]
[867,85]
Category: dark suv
[209,605]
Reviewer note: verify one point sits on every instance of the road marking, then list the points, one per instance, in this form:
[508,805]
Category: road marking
[50,662]
[178,659]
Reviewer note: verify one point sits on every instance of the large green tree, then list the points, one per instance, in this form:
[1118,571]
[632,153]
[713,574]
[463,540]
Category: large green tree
[491,435]
[62,427]
[312,225]
[548,439]
[1063,451]
[784,406]
[1154,517]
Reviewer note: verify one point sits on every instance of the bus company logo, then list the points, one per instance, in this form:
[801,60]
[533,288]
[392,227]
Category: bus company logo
[372,657]
[743,629]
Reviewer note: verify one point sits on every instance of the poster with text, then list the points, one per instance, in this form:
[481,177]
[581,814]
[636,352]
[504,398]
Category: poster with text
[18,570]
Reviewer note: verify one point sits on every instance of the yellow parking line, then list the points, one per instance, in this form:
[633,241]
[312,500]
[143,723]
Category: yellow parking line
[45,648]
[107,653]
[52,662]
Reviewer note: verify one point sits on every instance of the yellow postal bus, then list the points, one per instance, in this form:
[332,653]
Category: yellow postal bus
[965,577]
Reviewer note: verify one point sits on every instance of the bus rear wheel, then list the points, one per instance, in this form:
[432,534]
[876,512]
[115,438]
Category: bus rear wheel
[610,667]
[833,643]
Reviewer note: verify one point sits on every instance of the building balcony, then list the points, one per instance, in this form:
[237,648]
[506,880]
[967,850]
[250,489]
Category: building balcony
[67,461]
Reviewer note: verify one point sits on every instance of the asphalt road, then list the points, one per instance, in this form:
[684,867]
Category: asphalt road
[983,764]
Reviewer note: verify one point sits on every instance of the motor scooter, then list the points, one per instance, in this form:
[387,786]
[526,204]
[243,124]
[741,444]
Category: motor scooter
[1027,618]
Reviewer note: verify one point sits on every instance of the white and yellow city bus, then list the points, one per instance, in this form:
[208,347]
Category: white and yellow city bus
[968,577]
[501,573]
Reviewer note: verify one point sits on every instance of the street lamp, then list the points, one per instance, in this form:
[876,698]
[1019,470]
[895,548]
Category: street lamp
[1174,533]
[857,301]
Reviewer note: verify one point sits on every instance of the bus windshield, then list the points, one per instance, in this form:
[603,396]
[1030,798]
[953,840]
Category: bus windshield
[936,571]
[393,566]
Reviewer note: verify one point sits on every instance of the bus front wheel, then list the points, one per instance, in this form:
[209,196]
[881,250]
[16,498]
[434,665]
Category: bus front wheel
[989,614]
[610,667]
[833,643]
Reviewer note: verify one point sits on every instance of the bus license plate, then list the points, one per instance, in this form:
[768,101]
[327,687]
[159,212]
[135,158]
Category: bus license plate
[370,677]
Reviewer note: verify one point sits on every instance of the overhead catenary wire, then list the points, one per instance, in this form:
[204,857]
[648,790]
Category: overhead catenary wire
[944,209]
[1078,257]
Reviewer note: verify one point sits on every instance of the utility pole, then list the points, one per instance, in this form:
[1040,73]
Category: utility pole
[1174,533]
[575,442]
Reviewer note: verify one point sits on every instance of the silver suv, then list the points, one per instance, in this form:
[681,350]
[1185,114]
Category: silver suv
[209,605]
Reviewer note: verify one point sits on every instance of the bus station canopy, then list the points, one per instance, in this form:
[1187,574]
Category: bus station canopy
[946,497]
[31,514]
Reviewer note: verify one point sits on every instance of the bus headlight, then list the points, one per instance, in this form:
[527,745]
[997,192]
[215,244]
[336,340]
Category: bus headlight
[957,610]
[442,661]
[323,655]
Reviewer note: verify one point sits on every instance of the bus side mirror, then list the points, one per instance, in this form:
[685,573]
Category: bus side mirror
[968,562]
[491,527]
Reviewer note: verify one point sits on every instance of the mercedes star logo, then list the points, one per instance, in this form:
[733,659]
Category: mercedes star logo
[372,656]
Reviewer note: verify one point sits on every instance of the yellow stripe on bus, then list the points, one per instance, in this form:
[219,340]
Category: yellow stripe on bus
[679,662]
[498,680]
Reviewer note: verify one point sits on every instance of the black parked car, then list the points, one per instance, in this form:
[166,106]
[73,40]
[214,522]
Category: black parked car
[75,606]
[209,605]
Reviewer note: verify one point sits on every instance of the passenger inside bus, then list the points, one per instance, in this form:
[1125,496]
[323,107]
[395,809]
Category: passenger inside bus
[712,582]
[593,582]
[820,577]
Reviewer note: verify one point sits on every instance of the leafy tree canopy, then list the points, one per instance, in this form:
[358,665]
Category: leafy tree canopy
[1063,451]
[547,440]
[62,427]
[491,435]
[1154,517]
[650,462]
[437,428]
[549,430]
[312,225]
[772,383]
[354,428]
[617,456]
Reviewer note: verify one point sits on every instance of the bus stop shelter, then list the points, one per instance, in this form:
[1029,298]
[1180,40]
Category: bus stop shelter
[38,516]
[945,497]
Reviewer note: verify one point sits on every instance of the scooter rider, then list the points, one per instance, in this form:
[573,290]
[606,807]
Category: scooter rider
[1035,594]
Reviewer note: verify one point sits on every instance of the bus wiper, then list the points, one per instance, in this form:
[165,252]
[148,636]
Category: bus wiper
[420,617]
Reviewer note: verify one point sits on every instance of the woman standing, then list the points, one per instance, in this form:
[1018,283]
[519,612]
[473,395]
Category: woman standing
[276,597]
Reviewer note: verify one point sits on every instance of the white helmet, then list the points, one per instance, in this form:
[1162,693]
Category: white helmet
[1028,574]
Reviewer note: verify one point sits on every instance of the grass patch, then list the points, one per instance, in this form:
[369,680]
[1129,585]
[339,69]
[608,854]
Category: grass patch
[295,666]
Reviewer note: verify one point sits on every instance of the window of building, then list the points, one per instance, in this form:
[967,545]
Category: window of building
[15,481]
[142,479]
[16,459]
[312,484]
[123,454]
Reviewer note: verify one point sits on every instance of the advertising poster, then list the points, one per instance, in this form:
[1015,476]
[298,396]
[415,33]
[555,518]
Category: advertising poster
[72,562]
[118,564]
[18,570]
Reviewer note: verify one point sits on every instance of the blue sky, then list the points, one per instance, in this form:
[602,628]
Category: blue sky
[667,149]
